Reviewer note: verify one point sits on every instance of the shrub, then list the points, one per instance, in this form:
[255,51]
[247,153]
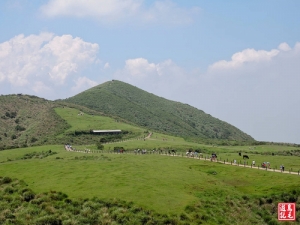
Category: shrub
[19,128]
[9,190]
[49,220]
[28,195]
[33,139]
[100,146]
[13,137]
[6,180]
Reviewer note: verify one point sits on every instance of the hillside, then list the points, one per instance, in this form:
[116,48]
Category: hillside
[117,98]
[27,120]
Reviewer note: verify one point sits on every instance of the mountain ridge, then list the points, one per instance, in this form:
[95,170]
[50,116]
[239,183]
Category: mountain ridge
[157,113]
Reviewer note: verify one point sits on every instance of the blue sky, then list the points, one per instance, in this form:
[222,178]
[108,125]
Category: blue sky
[238,61]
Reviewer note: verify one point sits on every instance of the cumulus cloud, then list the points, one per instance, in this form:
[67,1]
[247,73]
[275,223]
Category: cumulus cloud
[44,59]
[163,78]
[284,47]
[246,56]
[83,83]
[140,67]
[121,10]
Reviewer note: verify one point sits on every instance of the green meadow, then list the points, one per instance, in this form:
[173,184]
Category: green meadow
[169,190]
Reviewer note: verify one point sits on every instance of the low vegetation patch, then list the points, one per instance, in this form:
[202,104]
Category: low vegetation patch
[92,157]
[39,155]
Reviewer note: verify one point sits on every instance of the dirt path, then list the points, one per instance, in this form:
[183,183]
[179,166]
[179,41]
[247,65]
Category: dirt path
[241,165]
[206,159]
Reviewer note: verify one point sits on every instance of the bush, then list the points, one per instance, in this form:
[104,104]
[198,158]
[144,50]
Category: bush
[9,190]
[49,220]
[100,146]
[6,180]
[28,195]
[19,128]
[13,137]
[33,139]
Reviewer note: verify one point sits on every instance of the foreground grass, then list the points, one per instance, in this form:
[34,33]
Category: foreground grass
[168,185]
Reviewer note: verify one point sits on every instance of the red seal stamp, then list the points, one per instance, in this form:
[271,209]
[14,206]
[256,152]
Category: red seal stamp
[286,211]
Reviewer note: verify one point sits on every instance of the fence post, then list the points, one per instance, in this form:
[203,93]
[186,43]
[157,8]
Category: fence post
[224,161]
[231,162]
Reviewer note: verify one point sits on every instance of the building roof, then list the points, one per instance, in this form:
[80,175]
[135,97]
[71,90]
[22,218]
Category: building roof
[106,131]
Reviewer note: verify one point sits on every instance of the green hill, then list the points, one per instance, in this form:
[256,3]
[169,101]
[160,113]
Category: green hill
[27,120]
[117,98]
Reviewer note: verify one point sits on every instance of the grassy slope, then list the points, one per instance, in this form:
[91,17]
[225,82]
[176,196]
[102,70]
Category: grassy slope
[164,184]
[35,117]
[157,140]
[93,122]
[144,109]
[29,120]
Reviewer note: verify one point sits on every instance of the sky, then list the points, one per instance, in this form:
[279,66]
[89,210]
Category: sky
[238,61]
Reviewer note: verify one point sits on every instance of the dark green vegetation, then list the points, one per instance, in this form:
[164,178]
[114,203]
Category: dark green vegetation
[156,113]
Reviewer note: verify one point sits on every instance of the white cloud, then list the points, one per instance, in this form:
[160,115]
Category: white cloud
[39,87]
[169,12]
[121,10]
[246,56]
[163,78]
[44,59]
[83,83]
[284,47]
[140,67]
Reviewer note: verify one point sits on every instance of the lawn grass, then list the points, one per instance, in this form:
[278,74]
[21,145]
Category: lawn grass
[152,181]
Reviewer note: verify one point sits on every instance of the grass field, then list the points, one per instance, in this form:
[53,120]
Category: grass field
[155,181]
[190,190]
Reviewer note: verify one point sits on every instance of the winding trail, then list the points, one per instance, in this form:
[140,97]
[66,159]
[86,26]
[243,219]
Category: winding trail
[240,165]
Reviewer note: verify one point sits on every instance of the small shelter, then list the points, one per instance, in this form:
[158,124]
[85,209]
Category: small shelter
[101,132]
